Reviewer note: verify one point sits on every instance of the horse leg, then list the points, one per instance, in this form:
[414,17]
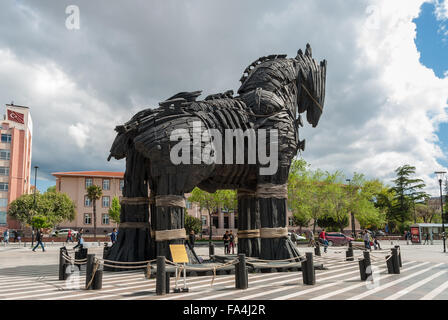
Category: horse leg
[133,241]
[248,224]
[272,201]
[170,212]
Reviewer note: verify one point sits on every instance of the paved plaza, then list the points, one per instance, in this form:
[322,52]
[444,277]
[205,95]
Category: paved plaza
[424,276]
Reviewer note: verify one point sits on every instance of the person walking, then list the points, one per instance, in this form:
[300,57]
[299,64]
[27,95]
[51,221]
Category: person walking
[376,243]
[191,238]
[69,236]
[39,238]
[80,240]
[323,239]
[231,242]
[226,238]
[6,236]
[426,238]
[113,236]
[366,238]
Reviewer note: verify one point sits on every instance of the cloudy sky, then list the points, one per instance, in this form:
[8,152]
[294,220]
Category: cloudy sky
[387,78]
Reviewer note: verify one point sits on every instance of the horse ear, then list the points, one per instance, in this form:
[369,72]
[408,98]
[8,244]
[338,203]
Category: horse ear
[308,51]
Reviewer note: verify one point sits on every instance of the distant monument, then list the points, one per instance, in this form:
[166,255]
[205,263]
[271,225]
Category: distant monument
[244,142]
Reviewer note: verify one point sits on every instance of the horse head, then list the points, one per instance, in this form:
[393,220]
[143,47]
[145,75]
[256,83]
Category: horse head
[311,78]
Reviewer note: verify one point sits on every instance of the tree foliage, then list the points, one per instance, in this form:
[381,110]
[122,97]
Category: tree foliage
[192,223]
[53,207]
[94,193]
[115,210]
[408,191]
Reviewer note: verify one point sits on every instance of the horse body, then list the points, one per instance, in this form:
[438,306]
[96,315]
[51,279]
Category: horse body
[273,90]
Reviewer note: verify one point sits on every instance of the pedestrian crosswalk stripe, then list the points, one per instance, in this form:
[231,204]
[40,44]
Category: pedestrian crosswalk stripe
[434,293]
[389,284]
[414,286]
[319,287]
[333,293]
[296,277]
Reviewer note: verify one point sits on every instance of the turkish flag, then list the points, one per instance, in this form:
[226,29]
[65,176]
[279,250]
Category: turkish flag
[15,116]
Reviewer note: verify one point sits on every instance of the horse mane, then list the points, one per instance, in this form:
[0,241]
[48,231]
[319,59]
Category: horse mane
[259,61]
[272,73]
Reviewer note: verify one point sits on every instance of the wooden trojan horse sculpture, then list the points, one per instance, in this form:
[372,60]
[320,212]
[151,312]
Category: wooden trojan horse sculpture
[178,146]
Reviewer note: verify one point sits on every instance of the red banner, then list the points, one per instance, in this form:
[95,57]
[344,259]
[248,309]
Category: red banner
[415,235]
[16,116]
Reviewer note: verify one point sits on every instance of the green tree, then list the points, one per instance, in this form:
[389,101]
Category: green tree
[94,193]
[408,190]
[298,194]
[192,223]
[51,189]
[115,210]
[213,202]
[39,221]
[54,207]
[337,201]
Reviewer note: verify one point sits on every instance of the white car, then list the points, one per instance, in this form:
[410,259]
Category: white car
[63,233]
[297,237]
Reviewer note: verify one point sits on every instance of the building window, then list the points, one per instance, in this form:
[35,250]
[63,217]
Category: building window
[87,202]
[105,219]
[87,218]
[89,182]
[3,203]
[106,201]
[5,154]
[4,171]
[204,220]
[2,217]
[3,186]
[121,185]
[106,184]
[6,138]
[188,204]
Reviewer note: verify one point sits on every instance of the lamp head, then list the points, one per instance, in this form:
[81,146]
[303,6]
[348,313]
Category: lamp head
[440,175]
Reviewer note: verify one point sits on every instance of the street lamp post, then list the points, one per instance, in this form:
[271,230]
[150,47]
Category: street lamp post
[440,175]
[34,202]
[351,213]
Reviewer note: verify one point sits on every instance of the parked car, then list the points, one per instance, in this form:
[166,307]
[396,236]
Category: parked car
[63,233]
[338,239]
[379,233]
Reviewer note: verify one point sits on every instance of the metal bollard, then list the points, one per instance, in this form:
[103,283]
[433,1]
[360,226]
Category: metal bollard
[105,250]
[211,249]
[89,269]
[241,273]
[317,249]
[362,269]
[390,266]
[167,284]
[367,263]
[62,265]
[349,255]
[395,261]
[97,282]
[399,255]
[161,276]
[308,272]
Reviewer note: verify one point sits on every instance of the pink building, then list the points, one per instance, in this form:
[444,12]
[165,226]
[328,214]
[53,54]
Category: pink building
[15,159]
[75,185]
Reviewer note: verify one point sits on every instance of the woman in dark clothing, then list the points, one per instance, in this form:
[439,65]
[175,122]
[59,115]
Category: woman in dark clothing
[39,238]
